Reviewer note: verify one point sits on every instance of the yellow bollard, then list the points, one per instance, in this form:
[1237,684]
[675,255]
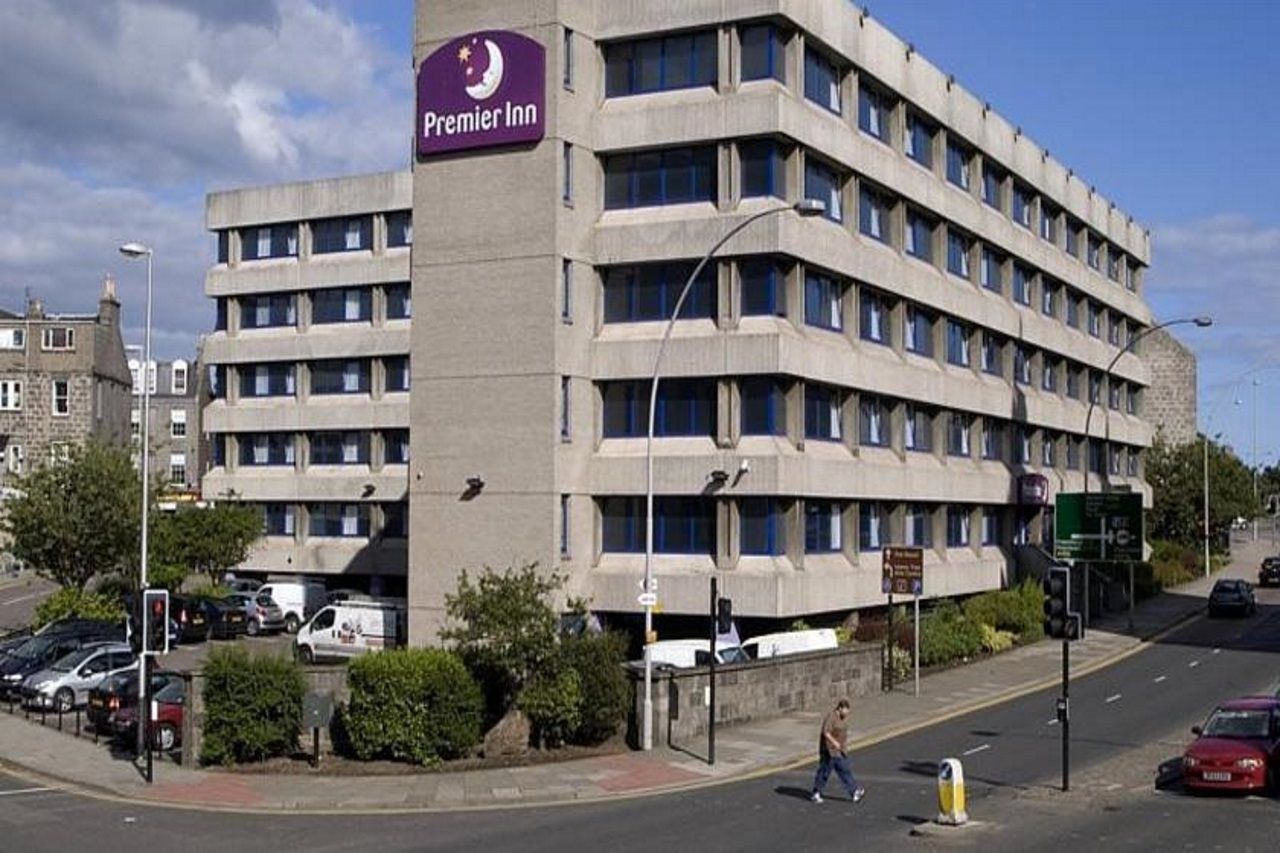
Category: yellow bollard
[951,793]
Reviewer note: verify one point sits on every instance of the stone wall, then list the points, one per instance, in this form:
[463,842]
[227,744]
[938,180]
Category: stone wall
[757,690]
[1169,403]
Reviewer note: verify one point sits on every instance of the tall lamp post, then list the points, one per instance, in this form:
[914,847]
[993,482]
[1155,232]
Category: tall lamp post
[1256,382]
[804,207]
[135,251]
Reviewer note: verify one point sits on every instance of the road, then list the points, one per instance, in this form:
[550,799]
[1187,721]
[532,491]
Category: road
[19,597]
[1127,720]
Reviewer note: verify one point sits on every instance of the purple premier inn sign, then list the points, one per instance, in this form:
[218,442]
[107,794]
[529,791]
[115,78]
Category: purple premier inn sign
[481,90]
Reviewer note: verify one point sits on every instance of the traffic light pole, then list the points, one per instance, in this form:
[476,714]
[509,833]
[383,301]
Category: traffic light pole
[711,711]
[1065,715]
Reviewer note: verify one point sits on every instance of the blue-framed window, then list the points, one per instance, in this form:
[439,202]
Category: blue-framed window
[822,528]
[873,526]
[216,376]
[269,241]
[275,379]
[1048,450]
[992,354]
[1095,455]
[1021,284]
[1048,223]
[821,81]
[918,242]
[958,158]
[1114,323]
[764,53]
[1048,297]
[395,520]
[822,182]
[823,301]
[918,331]
[1113,263]
[763,527]
[399,301]
[873,214]
[822,413]
[340,448]
[1021,365]
[278,519]
[220,314]
[218,445]
[340,376]
[992,180]
[917,429]
[919,141]
[681,525]
[763,287]
[1131,400]
[268,310]
[958,253]
[686,407]
[1095,319]
[958,526]
[873,111]
[1130,277]
[1021,445]
[1094,257]
[873,316]
[341,305]
[919,526]
[990,526]
[344,520]
[1132,458]
[990,275]
[764,168]
[957,343]
[1073,382]
[1113,393]
[958,424]
[1073,238]
[764,406]
[395,446]
[992,439]
[396,368]
[649,292]
[224,246]
[1022,201]
[266,448]
[1049,374]
[1073,454]
[342,234]
[399,229]
[1073,310]
[654,178]
[873,421]
[682,61]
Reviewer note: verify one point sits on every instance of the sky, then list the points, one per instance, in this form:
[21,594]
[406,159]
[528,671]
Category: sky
[117,116]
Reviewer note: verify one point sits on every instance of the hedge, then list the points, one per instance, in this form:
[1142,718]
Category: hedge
[419,705]
[72,602]
[947,635]
[553,702]
[606,692]
[253,707]
[1020,610]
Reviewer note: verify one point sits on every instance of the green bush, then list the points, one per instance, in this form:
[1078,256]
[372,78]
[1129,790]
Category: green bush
[605,689]
[1173,563]
[419,705]
[253,707]
[1019,611]
[995,641]
[902,662]
[947,635]
[553,702]
[72,602]
[844,635]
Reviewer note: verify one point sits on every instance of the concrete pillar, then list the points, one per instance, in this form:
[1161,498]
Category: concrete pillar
[728,534]
[794,289]
[793,398]
[726,414]
[728,295]
[793,531]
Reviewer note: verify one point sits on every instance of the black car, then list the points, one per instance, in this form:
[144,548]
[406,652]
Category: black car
[1232,596]
[40,651]
[192,618]
[1269,572]
[121,691]
[226,619]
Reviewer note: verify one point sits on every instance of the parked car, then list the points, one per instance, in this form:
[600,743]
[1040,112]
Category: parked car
[298,599]
[40,651]
[65,684]
[226,619]
[1269,572]
[1237,749]
[334,596]
[236,584]
[349,629]
[790,643]
[261,613]
[681,654]
[192,618]
[1232,596]
[120,691]
[165,730]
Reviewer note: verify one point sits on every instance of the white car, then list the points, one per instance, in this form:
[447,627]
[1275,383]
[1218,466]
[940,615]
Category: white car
[348,629]
[298,600]
[66,683]
[682,654]
[790,643]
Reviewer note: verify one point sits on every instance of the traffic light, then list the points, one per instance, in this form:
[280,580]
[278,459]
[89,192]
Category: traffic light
[155,603]
[724,615]
[1060,622]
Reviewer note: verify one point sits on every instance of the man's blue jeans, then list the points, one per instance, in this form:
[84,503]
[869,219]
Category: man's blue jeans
[840,763]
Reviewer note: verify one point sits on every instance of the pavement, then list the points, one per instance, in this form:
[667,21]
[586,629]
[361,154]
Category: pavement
[47,759]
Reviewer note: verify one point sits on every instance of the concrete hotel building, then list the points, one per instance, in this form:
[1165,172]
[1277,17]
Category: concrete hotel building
[309,374]
[914,368]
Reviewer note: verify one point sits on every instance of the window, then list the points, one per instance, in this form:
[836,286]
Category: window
[57,338]
[1130,277]
[917,429]
[269,241]
[135,425]
[340,376]
[1049,374]
[957,253]
[764,169]
[958,164]
[1095,252]
[566,290]
[681,525]
[992,439]
[1073,238]
[873,526]
[1048,223]
[649,292]
[763,291]
[564,526]
[397,370]
[873,214]
[919,532]
[763,53]
[958,425]
[764,406]
[218,443]
[177,469]
[873,112]
[1073,383]
[1114,324]
[823,301]
[992,179]
[566,173]
[178,423]
[340,448]
[1073,310]
[990,274]
[919,236]
[990,526]
[918,331]
[992,354]
[268,310]
[13,339]
[1113,393]
[873,422]
[224,246]
[957,343]
[822,413]
[1114,262]
[399,229]
[395,446]
[566,408]
[61,397]
[1048,297]
[344,234]
[178,377]
[566,72]
[217,375]
[220,314]
[151,377]
[10,395]
[1095,319]
[1048,450]
[873,316]
[279,519]
[823,184]
[342,305]
[1073,454]
[399,301]
[1021,284]
[919,141]
[1022,201]
[822,534]
[1021,445]
[958,526]
[266,448]
[763,529]
[686,407]
[1022,365]
[343,520]
[1131,462]
[1131,400]
[821,81]
[652,178]
[679,61]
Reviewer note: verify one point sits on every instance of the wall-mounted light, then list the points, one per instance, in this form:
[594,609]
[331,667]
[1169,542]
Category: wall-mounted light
[367,490]
[475,483]
[951,81]
[719,476]
[911,48]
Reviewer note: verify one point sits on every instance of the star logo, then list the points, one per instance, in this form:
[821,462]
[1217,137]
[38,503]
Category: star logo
[464,53]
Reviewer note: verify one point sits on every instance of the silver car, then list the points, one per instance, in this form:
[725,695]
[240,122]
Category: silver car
[66,683]
[261,613]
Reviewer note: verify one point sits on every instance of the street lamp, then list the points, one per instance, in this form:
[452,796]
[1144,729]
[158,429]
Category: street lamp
[804,207]
[133,251]
[1256,382]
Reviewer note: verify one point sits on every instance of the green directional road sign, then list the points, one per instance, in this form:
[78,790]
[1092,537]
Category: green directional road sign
[1106,526]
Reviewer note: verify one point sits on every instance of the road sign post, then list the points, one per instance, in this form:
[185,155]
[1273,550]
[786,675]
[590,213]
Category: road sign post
[902,573]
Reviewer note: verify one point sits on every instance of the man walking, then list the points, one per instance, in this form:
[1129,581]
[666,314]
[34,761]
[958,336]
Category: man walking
[831,754]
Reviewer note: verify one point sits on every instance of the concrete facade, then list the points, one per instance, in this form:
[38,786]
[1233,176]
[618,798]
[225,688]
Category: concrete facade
[178,453]
[1169,402]
[308,373]
[519,362]
[63,381]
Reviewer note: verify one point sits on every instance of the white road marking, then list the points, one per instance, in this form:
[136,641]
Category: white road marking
[1194,664]
[1052,722]
[20,598]
[1114,698]
[17,791]
[1217,651]
[1160,678]
[977,749]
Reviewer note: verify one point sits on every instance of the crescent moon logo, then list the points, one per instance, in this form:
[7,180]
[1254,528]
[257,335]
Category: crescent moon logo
[492,78]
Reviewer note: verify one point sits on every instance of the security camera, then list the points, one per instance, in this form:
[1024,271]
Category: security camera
[744,467]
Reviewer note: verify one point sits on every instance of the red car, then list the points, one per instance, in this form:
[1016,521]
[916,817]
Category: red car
[1237,749]
[166,728]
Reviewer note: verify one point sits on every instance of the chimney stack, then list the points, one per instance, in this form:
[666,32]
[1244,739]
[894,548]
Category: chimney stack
[35,308]
[109,289]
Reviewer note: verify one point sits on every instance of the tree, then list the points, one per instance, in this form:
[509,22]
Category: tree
[1176,475]
[207,540]
[77,519]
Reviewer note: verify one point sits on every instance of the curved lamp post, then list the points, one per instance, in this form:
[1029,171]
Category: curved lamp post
[804,207]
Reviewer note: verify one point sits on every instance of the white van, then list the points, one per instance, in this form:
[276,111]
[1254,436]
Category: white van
[790,643]
[298,599]
[682,654]
[351,628]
